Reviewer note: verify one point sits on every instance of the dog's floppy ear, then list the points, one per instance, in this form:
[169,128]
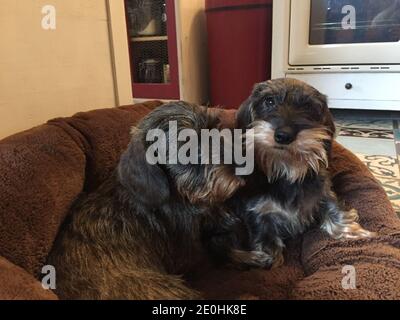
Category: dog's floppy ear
[147,182]
[244,115]
[327,118]
[327,121]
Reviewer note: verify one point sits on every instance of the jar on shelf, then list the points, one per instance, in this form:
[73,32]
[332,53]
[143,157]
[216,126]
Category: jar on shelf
[145,18]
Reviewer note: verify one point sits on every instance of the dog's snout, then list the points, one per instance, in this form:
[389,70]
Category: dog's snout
[284,135]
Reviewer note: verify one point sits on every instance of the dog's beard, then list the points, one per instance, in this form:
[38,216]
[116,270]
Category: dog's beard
[293,161]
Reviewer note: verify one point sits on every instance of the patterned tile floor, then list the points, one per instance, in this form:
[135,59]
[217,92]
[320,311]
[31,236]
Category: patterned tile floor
[375,138]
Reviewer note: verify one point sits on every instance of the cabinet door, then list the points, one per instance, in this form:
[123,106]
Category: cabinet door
[153,48]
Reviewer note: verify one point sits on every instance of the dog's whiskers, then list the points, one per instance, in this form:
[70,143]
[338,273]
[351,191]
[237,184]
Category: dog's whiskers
[292,162]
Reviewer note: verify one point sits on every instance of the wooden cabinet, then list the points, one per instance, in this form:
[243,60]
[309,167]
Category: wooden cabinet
[167,49]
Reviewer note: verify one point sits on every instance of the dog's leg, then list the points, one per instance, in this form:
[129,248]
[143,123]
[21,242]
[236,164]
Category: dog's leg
[227,241]
[266,254]
[228,249]
[341,224]
[255,259]
[266,244]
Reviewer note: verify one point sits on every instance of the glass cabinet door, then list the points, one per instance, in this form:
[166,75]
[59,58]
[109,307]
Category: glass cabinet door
[153,48]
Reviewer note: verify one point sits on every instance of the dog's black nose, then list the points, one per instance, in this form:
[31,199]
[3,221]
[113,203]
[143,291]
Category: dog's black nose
[284,135]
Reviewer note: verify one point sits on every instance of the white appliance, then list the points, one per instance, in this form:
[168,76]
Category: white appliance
[347,49]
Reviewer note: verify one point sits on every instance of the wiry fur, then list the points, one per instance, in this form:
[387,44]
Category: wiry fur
[292,162]
[290,189]
[147,225]
[144,227]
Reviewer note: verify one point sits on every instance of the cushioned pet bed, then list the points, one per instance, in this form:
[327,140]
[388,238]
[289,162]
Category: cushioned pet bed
[42,171]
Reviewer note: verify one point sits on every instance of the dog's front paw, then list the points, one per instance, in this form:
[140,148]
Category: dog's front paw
[345,226]
[278,260]
[258,259]
[255,259]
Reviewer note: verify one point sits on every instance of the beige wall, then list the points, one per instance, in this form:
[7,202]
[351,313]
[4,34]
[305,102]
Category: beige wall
[192,35]
[46,74]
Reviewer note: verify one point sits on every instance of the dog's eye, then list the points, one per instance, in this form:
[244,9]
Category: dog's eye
[269,103]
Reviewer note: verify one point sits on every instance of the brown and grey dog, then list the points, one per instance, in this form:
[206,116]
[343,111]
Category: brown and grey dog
[145,226]
[150,223]
[290,190]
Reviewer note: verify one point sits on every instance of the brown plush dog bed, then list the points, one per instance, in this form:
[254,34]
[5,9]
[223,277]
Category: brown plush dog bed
[42,170]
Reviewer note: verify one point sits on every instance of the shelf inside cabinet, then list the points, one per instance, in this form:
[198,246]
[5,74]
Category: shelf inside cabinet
[147,39]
